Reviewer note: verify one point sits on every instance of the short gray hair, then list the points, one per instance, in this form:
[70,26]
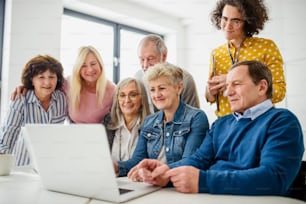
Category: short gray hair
[161,47]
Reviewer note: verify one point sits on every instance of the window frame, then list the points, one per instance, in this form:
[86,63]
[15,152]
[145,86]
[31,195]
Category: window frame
[117,27]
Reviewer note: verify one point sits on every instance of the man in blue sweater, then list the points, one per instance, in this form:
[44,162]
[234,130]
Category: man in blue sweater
[257,150]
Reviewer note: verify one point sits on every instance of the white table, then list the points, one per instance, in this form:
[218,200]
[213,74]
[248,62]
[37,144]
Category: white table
[24,187]
[170,196]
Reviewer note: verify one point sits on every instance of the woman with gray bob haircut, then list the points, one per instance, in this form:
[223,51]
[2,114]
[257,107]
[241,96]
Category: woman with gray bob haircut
[130,107]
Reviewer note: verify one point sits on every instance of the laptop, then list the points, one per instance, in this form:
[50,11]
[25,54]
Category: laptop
[76,159]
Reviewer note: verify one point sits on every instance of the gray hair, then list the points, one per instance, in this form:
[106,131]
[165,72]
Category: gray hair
[116,112]
[161,47]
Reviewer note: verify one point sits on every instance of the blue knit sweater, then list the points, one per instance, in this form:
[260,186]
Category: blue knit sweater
[249,157]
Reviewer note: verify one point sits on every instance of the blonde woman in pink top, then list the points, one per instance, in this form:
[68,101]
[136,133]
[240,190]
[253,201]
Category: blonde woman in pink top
[91,95]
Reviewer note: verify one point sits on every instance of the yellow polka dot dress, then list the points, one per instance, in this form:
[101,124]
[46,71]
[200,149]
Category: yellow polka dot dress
[252,48]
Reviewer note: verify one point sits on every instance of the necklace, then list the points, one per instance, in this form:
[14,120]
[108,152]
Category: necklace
[120,141]
[125,140]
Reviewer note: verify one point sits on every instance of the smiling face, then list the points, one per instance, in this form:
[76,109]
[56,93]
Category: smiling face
[232,24]
[165,96]
[242,92]
[129,99]
[91,70]
[44,84]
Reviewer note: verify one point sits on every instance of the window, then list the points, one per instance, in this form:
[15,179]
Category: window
[116,43]
[129,62]
[77,32]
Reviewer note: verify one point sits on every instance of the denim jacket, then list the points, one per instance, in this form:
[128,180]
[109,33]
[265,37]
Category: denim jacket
[180,137]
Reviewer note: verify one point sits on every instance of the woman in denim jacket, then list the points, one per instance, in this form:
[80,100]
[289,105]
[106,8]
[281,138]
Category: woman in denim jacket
[175,131]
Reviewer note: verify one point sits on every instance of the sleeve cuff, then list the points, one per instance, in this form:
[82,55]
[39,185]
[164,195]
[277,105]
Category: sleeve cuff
[122,170]
[4,149]
[203,188]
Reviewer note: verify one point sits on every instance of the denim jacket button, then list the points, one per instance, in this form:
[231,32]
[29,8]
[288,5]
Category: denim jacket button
[167,134]
[149,134]
[167,149]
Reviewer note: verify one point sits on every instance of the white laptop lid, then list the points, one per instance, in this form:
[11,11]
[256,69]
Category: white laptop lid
[76,159]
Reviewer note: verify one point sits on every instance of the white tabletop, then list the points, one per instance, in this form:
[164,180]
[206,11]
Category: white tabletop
[170,196]
[24,187]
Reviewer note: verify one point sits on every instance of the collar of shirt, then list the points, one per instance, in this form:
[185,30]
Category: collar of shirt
[255,111]
[178,117]
[123,126]
[32,98]
[245,43]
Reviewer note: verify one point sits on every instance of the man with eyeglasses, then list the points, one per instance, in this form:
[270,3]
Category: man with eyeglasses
[152,50]
[239,21]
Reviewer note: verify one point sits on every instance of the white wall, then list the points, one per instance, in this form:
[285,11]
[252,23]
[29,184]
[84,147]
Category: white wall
[294,49]
[285,28]
[33,27]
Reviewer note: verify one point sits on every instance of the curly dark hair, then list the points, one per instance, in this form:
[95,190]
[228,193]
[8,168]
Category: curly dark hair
[254,12]
[38,65]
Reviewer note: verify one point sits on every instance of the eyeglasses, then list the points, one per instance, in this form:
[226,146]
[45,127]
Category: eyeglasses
[235,22]
[131,96]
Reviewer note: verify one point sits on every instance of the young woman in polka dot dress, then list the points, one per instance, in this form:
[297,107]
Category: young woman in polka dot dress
[239,20]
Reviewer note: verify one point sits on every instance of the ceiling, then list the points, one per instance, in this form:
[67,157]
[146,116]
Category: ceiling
[134,12]
[186,10]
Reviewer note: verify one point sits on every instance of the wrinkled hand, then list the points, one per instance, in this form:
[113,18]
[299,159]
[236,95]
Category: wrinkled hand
[18,92]
[150,171]
[185,179]
[134,174]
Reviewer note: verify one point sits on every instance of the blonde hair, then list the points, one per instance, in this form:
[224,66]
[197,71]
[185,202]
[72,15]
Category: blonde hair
[116,113]
[172,73]
[76,80]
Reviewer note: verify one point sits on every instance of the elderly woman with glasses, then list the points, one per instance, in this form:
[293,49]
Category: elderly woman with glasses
[129,109]
[176,130]
[240,20]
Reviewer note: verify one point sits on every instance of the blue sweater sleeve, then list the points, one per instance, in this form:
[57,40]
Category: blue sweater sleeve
[279,160]
[266,163]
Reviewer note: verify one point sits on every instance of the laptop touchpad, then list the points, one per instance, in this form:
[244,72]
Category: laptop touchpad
[123,190]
